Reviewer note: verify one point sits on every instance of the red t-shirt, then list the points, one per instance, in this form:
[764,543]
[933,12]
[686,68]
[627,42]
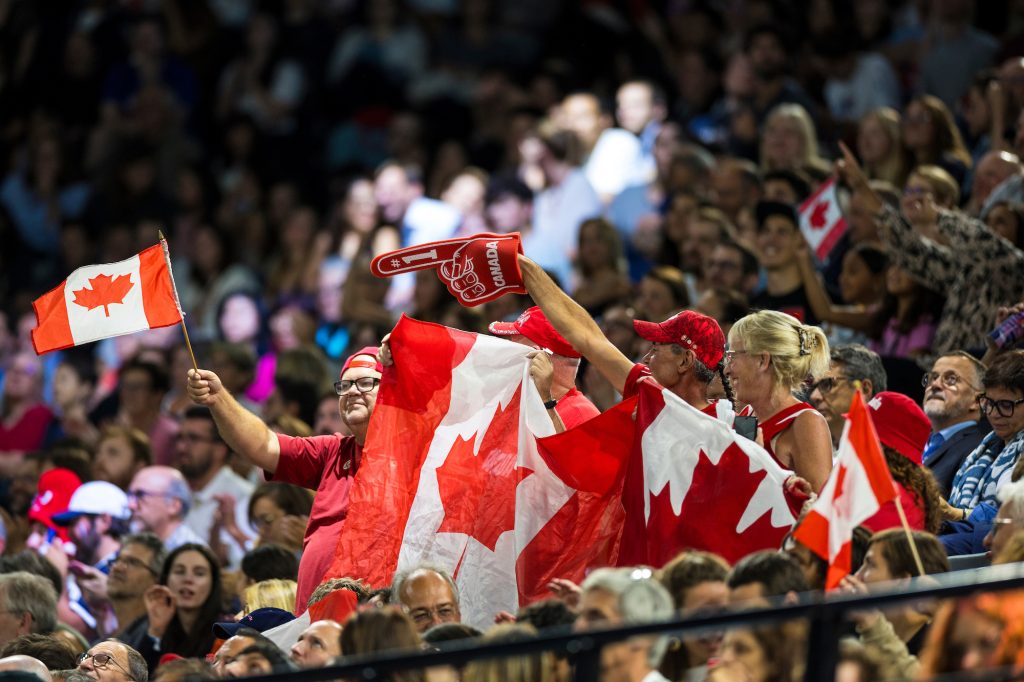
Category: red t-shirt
[28,432]
[575,408]
[326,464]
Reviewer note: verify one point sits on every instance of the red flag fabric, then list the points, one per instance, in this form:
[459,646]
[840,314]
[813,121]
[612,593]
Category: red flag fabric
[856,489]
[99,301]
[693,483]
[821,219]
[451,474]
[475,270]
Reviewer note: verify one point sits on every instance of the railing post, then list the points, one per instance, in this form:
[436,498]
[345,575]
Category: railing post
[823,644]
[587,657]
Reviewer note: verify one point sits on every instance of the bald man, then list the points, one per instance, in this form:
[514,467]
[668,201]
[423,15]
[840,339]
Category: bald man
[992,170]
[159,498]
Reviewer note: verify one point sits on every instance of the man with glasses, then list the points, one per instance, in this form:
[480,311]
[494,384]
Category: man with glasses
[832,394]
[113,661]
[159,499]
[950,401]
[973,502]
[428,594]
[732,266]
[202,457]
[322,463]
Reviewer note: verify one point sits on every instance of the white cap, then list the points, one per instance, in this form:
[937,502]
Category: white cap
[95,497]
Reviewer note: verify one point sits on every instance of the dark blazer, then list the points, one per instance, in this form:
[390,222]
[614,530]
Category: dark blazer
[945,461]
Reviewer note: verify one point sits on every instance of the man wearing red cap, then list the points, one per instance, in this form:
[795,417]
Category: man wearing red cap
[688,347]
[326,464]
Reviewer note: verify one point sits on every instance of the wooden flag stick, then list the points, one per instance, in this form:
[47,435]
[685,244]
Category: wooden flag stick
[910,536]
[184,329]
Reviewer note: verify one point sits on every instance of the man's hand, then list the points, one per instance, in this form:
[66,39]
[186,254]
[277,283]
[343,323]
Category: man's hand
[203,387]
[93,583]
[542,372]
[384,354]
[566,591]
[289,531]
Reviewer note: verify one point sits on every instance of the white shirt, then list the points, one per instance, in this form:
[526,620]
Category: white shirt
[616,162]
[204,506]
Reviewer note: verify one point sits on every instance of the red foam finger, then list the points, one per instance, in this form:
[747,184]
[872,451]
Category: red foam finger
[485,268]
[413,258]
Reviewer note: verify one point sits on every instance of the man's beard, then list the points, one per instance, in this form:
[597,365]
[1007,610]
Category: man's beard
[196,468]
[87,545]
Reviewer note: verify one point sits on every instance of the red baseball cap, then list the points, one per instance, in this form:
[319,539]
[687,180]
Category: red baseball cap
[56,487]
[900,423]
[357,359]
[692,331]
[535,326]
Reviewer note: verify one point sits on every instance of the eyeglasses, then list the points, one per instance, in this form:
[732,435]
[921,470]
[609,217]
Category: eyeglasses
[132,562]
[362,384]
[1005,408]
[730,355]
[444,613]
[101,660]
[140,494]
[192,437]
[827,385]
[949,379]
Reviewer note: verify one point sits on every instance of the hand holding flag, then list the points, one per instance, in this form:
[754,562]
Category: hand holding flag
[475,270]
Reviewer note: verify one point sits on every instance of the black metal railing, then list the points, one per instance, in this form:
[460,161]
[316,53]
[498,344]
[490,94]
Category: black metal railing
[826,616]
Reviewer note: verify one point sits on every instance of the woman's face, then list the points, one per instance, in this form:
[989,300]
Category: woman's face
[976,111]
[898,281]
[655,298]
[265,512]
[1003,426]
[742,649]
[975,639]
[361,206]
[857,283]
[918,128]
[207,252]
[1003,222]
[593,248]
[783,143]
[873,142]
[190,580]
[240,319]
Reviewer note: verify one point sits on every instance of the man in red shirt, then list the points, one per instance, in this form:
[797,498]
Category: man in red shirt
[688,347]
[326,464]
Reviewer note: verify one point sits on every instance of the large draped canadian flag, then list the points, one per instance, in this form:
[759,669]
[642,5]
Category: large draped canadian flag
[460,470]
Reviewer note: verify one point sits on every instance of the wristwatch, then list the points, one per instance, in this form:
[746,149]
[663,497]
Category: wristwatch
[550,405]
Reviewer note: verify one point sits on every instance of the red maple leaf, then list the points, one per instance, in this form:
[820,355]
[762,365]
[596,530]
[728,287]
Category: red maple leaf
[104,292]
[478,492]
[819,215]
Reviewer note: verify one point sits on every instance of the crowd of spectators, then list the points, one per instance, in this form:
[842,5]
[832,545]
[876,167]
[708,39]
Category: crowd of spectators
[654,156]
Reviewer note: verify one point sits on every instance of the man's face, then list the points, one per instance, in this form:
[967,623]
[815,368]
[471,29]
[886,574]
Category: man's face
[148,501]
[600,608]
[112,663]
[832,397]
[861,219]
[948,405]
[698,245]
[132,573]
[429,600]
[248,665]
[749,596]
[729,191]
[582,115]
[136,391]
[634,107]
[115,462]
[508,213]
[767,56]
[356,407]
[227,653]
[12,625]
[724,270]
[991,171]
[318,645]
[777,242]
[328,419]
[86,536]
[393,194]
[197,448]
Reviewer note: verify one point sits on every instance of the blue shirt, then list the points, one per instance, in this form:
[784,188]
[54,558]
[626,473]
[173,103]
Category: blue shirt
[945,434]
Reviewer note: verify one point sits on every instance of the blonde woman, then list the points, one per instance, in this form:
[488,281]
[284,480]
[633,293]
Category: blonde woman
[880,146]
[770,355]
[789,141]
[278,594]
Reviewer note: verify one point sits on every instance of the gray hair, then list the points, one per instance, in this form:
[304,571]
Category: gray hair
[151,542]
[1011,497]
[641,599]
[401,577]
[31,594]
[179,490]
[862,364]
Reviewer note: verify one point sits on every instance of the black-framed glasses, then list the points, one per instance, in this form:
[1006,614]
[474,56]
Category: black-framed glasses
[132,562]
[362,384]
[1004,408]
[140,494]
[827,384]
[948,379]
[101,660]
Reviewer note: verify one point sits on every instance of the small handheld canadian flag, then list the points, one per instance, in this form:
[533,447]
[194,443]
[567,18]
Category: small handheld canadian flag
[99,301]
[821,219]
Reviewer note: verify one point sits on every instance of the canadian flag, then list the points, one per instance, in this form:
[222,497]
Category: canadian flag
[821,219]
[452,475]
[693,483]
[99,301]
[856,489]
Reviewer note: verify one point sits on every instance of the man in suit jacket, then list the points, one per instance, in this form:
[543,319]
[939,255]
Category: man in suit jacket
[951,391]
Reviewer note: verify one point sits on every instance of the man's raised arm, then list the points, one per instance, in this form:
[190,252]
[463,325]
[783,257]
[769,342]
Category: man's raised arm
[575,324]
[244,432]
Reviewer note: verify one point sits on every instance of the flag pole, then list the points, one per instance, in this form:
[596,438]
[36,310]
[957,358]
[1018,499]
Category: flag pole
[184,329]
[910,537]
